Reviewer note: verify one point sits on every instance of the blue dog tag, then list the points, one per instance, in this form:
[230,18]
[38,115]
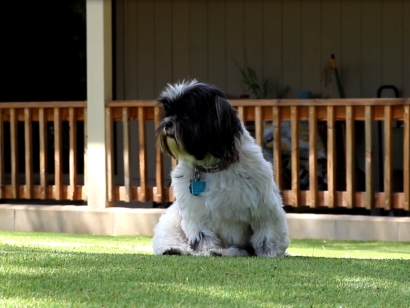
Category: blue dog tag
[196,187]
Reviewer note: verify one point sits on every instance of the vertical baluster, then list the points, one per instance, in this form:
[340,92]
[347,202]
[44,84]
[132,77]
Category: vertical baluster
[174,163]
[1,155]
[350,158]
[142,154]
[109,131]
[58,175]
[85,171]
[295,155]
[369,156]
[388,201]
[28,153]
[313,187]
[241,113]
[406,156]
[73,152]
[127,154]
[258,125]
[14,155]
[43,152]
[159,161]
[331,156]
[277,146]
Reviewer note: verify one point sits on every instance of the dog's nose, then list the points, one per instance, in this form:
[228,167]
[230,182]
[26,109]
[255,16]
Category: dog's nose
[169,124]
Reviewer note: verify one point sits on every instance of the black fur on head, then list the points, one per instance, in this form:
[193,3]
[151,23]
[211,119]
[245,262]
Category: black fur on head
[200,119]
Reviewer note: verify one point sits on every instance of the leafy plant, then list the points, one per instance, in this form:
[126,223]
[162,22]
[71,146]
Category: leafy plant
[250,79]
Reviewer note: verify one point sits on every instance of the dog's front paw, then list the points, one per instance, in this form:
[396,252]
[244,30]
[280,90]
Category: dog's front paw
[172,251]
[268,250]
[271,248]
[176,251]
[215,253]
[267,253]
[228,252]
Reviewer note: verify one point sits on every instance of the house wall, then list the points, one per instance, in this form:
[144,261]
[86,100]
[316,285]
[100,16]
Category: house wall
[286,41]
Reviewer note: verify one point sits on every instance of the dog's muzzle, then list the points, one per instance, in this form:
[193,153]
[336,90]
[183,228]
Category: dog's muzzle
[169,129]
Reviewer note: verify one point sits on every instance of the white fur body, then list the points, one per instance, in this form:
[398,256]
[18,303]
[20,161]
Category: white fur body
[241,207]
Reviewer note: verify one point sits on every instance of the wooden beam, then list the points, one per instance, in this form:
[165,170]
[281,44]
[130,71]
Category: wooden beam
[159,161]
[350,157]
[43,136]
[58,157]
[406,156]
[313,185]
[277,146]
[283,102]
[2,179]
[28,153]
[369,157]
[142,155]
[73,172]
[258,126]
[295,157]
[109,143]
[99,91]
[127,157]
[331,156]
[388,193]
[241,113]
[14,154]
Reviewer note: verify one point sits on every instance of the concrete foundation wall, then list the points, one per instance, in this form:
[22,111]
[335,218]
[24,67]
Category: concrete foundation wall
[125,221]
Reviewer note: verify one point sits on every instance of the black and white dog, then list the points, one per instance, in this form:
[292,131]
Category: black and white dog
[227,203]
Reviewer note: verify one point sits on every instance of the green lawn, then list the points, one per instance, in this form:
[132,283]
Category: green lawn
[63,270]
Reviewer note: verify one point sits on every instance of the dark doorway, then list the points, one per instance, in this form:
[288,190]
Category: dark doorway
[43,58]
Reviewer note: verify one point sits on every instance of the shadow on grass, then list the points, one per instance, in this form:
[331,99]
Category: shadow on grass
[43,277]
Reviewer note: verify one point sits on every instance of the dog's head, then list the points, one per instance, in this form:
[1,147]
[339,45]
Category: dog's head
[199,123]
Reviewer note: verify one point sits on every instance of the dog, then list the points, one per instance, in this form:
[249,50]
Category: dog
[227,203]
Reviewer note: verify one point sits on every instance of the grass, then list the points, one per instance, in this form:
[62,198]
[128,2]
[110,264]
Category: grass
[65,270]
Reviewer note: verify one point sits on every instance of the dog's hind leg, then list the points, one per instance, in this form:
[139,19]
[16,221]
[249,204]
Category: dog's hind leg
[169,238]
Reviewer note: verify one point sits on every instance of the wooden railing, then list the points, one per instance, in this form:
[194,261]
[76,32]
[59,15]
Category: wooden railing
[35,141]
[125,112]
[334,115]
[43,151]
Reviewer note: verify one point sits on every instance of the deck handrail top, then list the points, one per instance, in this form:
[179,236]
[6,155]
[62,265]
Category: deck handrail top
[234,102]
[320,102]
[282,102]
[133,103]
[51,104]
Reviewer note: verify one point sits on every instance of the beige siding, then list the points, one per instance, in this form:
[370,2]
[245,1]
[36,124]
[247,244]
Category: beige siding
[406,49]
[289,42]
[351,40]
[163,45]
[286,41]
[311,47]
[145,49]
[235,44]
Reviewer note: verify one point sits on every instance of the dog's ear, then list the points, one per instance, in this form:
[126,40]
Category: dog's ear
[227,127]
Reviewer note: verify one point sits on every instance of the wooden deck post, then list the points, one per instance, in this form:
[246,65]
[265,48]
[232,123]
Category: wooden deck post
[99,90]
